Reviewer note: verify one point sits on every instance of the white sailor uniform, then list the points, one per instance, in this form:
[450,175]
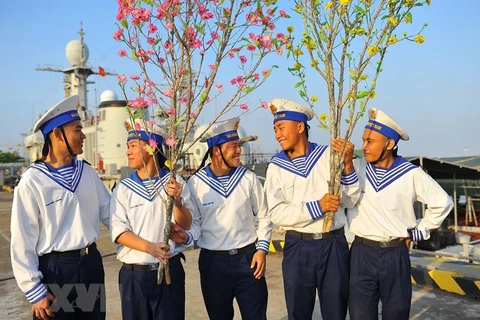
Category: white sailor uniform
[381,221]
[55,222]
[312,260]
[230,222]
[56,217]
[136,207]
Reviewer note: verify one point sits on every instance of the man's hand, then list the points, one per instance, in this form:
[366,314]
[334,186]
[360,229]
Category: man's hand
[174,189]
[178,234]
[160,250]
[41,309]
[347,155]
[330,203]
[259,259]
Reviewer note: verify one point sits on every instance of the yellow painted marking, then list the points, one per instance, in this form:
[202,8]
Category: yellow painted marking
[272,247]
[477,283]
[413,280]
[445,280]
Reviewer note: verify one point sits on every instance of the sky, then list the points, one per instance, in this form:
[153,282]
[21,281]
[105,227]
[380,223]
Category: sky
[430,90]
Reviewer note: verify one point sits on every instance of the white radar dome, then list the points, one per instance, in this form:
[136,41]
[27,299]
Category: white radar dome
[74,52]
[108,95]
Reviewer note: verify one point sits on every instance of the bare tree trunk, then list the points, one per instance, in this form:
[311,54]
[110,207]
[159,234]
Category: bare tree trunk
[165,269]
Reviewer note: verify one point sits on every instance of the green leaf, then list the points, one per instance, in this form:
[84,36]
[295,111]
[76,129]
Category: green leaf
[347,121]
[409,17]
[302,93]
[203,96]
[362,94]
[124,23]
[149,149]
[247,89]
[298,84]
[360,9]
[179,120]
[149,2]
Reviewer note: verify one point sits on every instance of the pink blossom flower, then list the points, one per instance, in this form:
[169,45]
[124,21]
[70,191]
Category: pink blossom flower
[183,100]
[118,34]
[153,143]
[256,76]
[170,142]
[214,35]
[150,82]
[264,105]
[243,59]
[138,103]
[211,67]
[152,28]
[167,45]
[151,122]
[207,16]
[251,47]
[134,77]
[122,53]
[122,78]
[219,87]
[138,126]
[231,54]
[151,41]
[271,26]
[265,71]
[242,84]
[280,51]
[283,14]
[193,115]
[141,89]
[171,111]
[244,107]
[280,35]
[161,60]
[169,92]
[270,12]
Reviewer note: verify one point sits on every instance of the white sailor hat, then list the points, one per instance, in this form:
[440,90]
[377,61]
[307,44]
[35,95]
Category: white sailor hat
[221,132]
[144,130]
[382,123]
[63,112]
[283,109]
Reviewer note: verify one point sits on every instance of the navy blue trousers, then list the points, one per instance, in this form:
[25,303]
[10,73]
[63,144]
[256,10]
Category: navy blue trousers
[379,274]
[316,265]
[143,299]
[78,284]
[224,277]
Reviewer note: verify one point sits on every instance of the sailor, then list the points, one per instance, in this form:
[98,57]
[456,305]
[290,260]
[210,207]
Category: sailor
[296,187]
[232,228]
[384,221]
[138,210]
[57,209]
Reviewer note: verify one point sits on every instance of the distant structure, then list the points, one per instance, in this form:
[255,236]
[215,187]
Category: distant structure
[104,145]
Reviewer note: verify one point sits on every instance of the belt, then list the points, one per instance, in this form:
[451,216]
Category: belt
[381,244]
[73,253]
[151,266]
[232,252]
[316,235]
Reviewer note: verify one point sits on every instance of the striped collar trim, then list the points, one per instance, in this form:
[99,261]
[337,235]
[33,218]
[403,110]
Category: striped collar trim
[314,153]
[209,178]
[135,184]
[58,178]
[379,182]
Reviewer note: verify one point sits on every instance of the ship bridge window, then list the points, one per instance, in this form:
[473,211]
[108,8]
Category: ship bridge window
[102,115]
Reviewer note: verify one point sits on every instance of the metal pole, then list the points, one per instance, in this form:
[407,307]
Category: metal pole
[95,160]
[455,214]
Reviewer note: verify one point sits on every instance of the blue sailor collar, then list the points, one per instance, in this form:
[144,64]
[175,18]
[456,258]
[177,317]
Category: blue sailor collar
[135,184]
[53,174]
[314,153]
[380,178]
[234,176]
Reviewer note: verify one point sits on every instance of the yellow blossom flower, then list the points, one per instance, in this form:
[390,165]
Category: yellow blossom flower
[393,20]
[372,50]
[364,77]
[323,117]
[360,31]
[404,33]
[373,83]
[408,19]
[428,2]
[168,164]
[344,2]
[297,52]
[372,94]
[314,99]
[419,39]
[328,5]
[290,29]
[392,40]
[327,27]
[298,7]
[297,66]
[288,46]
[342,11]
[314,63]
[352,72]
